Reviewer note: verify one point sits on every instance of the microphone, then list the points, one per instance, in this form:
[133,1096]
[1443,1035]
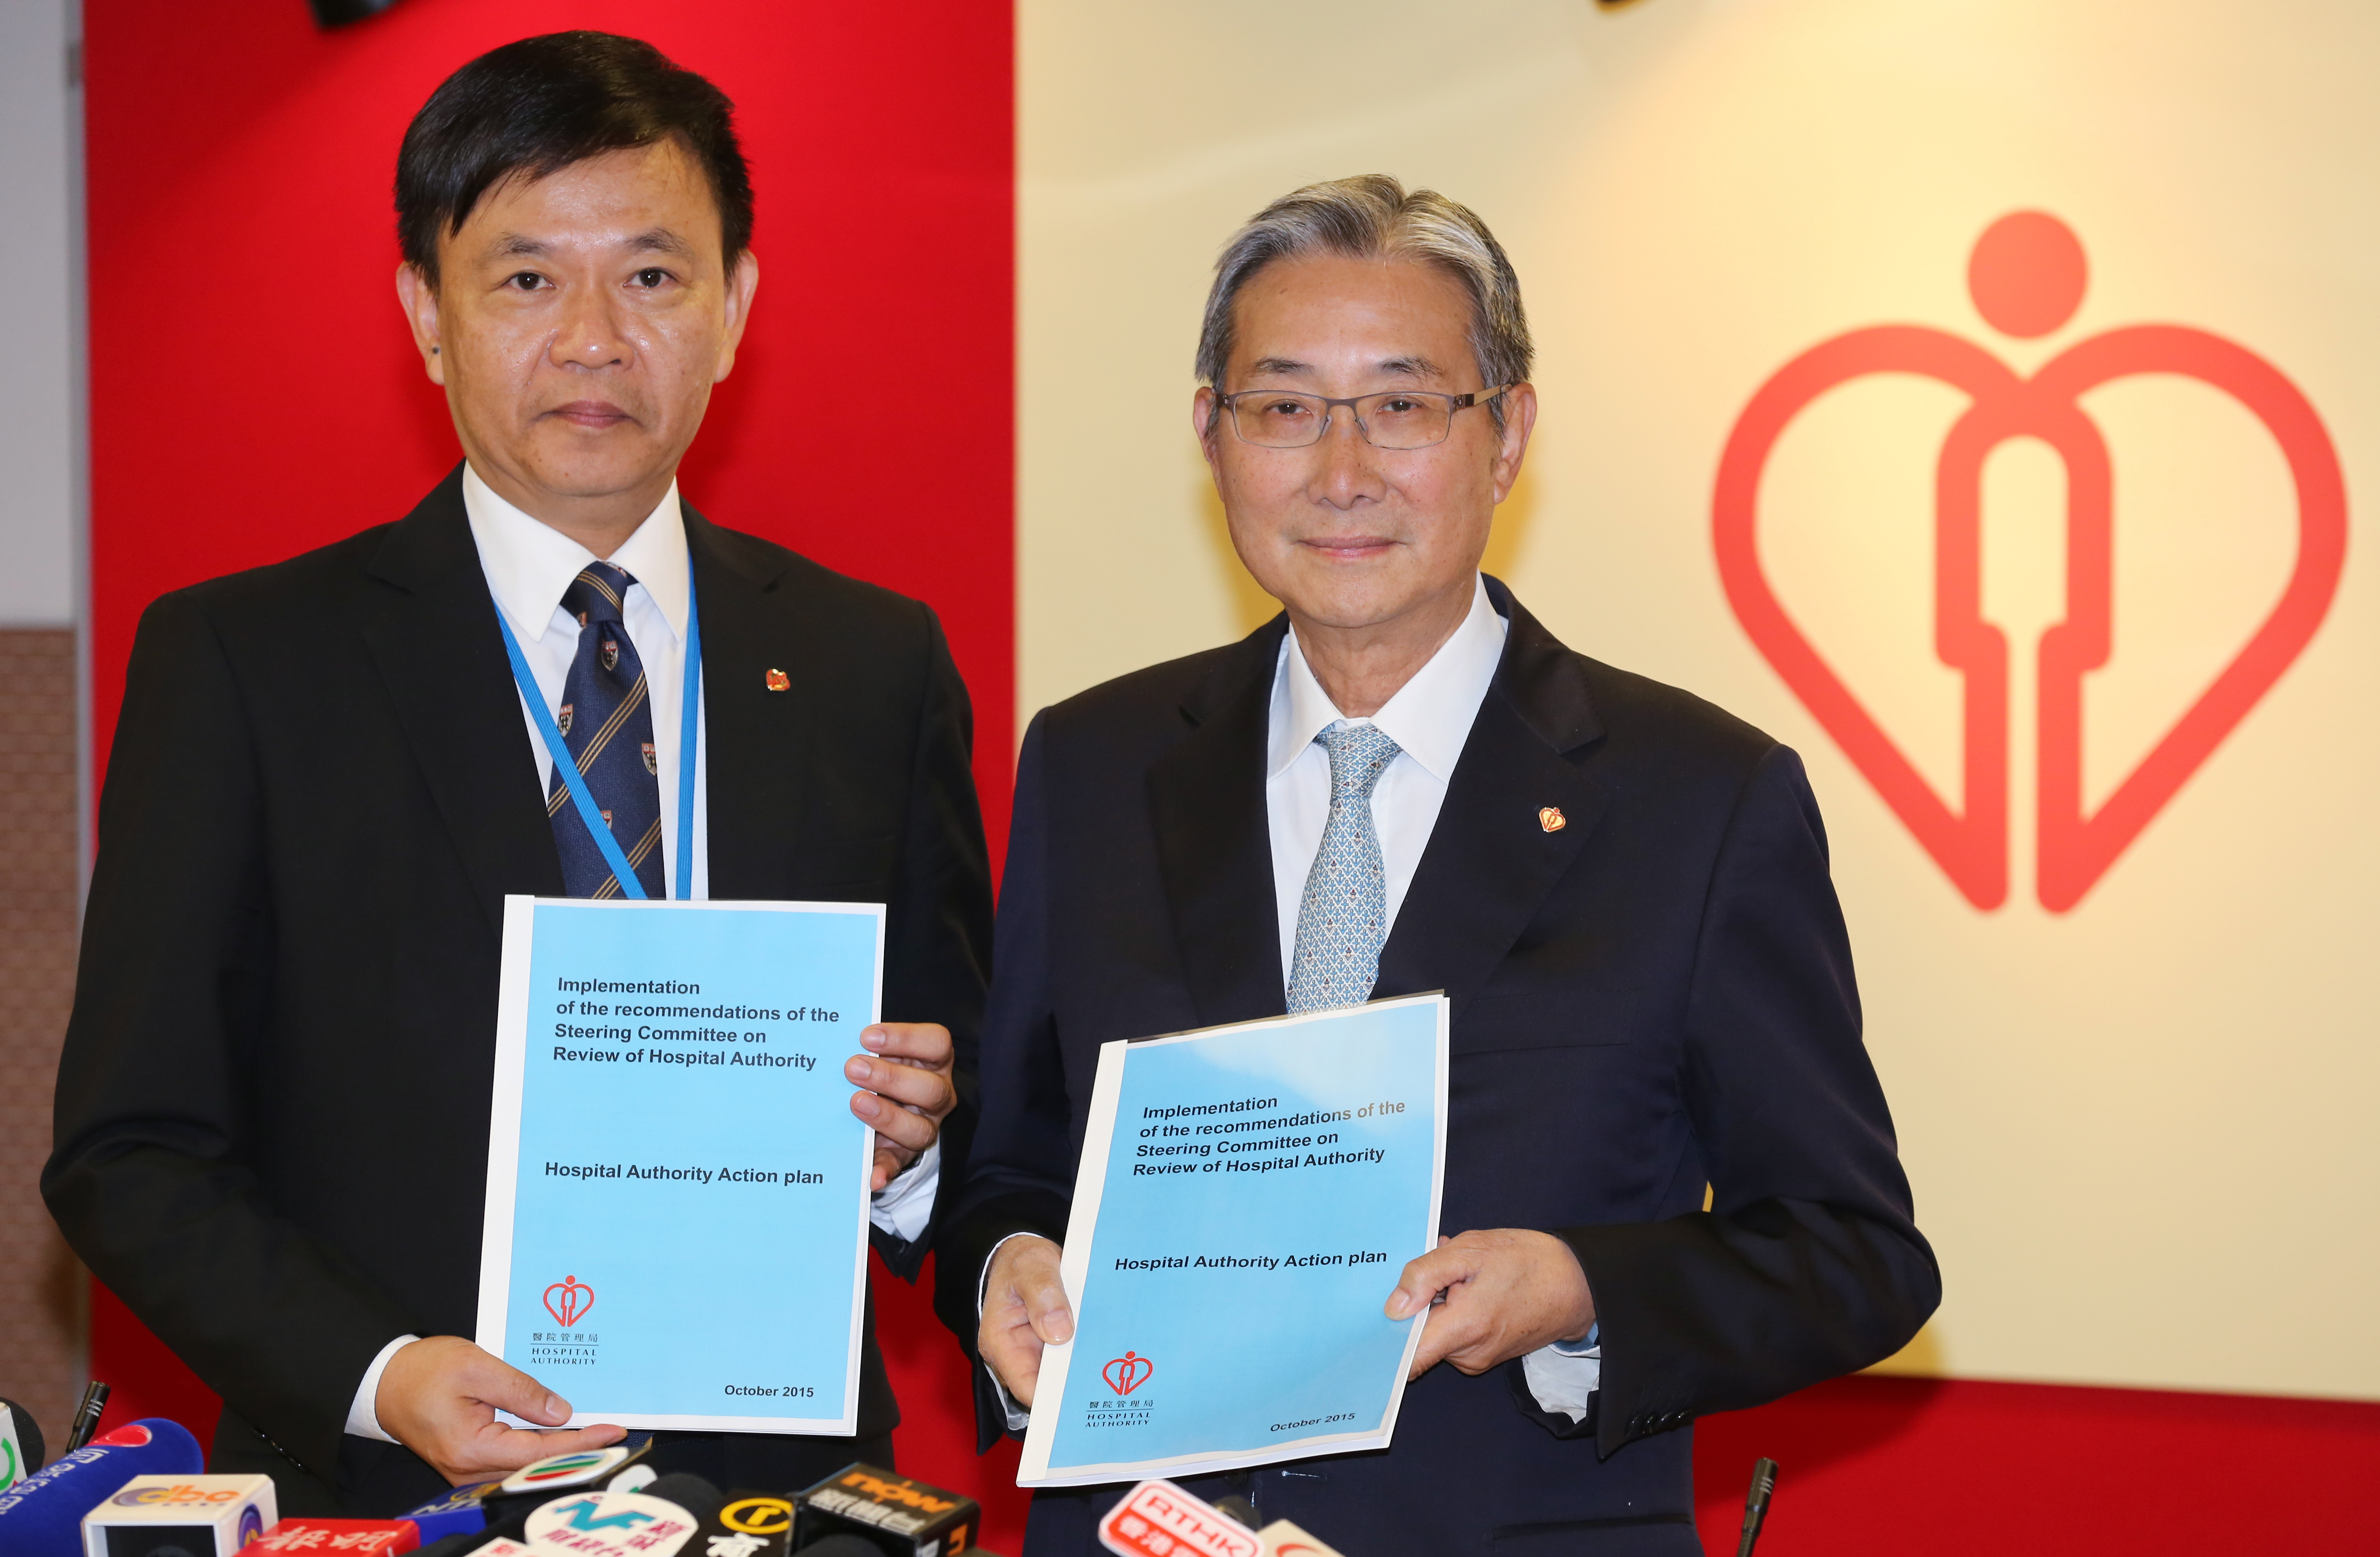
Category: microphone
[655,1521]
[487,1509]
[41,1516]
[181,1516]
[1159,1519]
[349,1537]
[844,1546]
[461,1511]
[894,1513]
[20,1445]
[86,1416]
[1755,1503]
[599,1522]
[749,1524]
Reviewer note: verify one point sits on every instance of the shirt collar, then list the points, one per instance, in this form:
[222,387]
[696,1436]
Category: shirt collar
[1429,717]
[529,564]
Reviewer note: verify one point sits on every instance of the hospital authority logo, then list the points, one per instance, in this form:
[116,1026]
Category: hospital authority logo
[1122,1408]
[1128,1372]
[2027,275]
[569,1299]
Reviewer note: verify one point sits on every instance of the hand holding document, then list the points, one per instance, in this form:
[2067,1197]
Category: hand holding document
[1246,1197]
[677,1189]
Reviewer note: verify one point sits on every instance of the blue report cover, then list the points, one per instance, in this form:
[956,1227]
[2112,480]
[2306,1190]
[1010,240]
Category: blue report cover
[1246,1200]
[676,1226]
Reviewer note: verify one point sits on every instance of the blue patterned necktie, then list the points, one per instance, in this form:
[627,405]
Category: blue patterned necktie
[1344,916]
[607,723]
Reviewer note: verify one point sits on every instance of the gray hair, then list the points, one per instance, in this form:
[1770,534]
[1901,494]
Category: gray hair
[1372,218]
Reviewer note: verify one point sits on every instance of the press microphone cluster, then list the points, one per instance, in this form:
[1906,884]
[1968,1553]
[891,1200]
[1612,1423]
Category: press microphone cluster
[608,1503]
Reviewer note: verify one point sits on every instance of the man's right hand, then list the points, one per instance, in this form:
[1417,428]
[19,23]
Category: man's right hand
[439,1397]
[1025,1310]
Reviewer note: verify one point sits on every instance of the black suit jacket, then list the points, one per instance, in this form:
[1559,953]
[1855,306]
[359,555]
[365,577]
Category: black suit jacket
[1653,997]
[271,1116]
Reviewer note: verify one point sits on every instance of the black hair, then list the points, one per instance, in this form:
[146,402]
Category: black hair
[534,107]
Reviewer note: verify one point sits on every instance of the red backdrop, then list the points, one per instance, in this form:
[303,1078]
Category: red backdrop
[253,395]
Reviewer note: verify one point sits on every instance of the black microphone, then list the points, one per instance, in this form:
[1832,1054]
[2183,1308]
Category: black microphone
[20,1445]
[1755,1503]
[896,1515]
[842,1544]
[689,1491]
[86,1416]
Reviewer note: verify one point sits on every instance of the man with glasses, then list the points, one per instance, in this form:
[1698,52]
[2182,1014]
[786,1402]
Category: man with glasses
[1672,1181]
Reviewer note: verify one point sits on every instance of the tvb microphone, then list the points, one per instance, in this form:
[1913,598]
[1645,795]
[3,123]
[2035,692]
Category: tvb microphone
[660,1518]
[41,1516]
[20,1445]
[1755,1503]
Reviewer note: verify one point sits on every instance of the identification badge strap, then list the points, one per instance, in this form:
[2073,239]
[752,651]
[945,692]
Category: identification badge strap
[582,796]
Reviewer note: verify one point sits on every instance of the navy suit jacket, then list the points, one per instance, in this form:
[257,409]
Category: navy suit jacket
[1656,997]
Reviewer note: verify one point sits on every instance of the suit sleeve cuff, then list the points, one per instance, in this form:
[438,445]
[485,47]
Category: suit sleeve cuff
[363,1418]
[1017,1416]
[1564,1380]
[905,1205]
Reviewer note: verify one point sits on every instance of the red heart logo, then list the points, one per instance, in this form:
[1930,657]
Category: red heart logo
[2027,276]
[1128,1372]
[569,1299]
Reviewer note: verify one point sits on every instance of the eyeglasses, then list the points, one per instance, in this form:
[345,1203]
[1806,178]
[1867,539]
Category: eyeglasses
[1397,419]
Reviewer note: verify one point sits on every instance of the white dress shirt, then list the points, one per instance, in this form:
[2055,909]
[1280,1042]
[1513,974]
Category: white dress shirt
[529,565]
[1429,718]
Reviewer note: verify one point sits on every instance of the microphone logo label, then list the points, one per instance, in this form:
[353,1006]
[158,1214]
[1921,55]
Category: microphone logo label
[1127,1373]
[569,1299]
[2027,276]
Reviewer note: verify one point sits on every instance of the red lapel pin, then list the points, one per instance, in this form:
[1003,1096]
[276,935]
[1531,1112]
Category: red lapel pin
[1551,819]
[779,681]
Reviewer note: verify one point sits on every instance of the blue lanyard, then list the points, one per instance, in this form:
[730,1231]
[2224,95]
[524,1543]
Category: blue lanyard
[576,782]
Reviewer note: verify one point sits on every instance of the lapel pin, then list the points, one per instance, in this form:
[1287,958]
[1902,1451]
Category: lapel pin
[1551,819]
[779,681]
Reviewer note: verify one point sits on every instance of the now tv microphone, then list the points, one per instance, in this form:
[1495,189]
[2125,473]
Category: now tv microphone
[897,1515]
[41,1516]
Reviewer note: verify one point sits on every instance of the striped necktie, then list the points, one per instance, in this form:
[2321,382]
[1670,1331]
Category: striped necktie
[607,723]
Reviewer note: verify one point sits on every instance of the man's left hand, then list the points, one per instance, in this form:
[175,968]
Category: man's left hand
[1505,1293]
[907,1072]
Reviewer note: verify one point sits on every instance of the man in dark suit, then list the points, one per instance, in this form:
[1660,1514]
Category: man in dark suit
[1406,784]
[272,1112]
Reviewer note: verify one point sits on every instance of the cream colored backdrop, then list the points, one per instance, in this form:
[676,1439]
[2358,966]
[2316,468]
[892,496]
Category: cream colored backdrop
[2142,1132]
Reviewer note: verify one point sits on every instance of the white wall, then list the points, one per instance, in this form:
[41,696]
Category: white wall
[41,391]
[2140,1131]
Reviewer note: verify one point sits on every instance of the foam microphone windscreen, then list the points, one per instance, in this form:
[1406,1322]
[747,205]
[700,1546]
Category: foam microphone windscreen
[688,1491]
[41,1516]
